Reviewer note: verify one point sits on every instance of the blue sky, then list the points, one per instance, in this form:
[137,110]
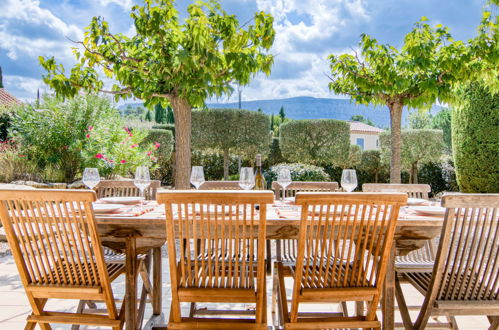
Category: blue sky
[307,31]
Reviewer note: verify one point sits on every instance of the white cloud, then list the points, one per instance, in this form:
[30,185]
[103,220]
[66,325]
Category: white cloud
[24,88]
[126,4]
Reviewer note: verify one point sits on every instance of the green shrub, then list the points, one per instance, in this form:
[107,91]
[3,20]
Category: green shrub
[4,126]
[299,172]
[168,127]
[320,141]
[14,164]
[164,153]
[439,175]
[212,163]
[64,137]
[475,140]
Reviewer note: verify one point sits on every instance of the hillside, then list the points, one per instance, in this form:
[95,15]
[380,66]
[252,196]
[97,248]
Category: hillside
[313,108]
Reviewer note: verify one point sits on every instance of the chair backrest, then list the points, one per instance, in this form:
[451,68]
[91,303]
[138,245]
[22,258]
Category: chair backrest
[53,238]
[467,263]
[353,244]
[412,190]
[221,233]
[125,188]
[310,186]
[220,185]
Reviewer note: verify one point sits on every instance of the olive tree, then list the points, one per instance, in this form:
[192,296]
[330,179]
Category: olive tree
[236,131]
[317,141]
[170,60]
[419,146]
[427,68]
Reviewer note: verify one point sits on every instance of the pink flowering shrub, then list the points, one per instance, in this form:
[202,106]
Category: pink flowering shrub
[116,150]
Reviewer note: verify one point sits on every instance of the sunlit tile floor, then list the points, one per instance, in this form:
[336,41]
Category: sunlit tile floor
[14,306]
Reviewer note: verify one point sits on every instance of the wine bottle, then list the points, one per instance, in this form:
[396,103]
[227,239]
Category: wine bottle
[260,183]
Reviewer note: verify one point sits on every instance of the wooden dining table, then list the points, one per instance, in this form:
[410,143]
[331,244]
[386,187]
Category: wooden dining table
[135,232]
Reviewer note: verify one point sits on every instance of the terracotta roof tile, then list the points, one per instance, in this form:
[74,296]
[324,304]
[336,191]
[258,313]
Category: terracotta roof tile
[7,99]
[361,127]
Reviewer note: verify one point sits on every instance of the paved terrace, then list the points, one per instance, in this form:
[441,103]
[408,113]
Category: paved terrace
[14,306]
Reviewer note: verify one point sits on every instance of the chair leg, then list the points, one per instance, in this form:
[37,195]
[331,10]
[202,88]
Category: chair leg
[268,262]
[452,321]
[359,308]
[192,310]
[344,308]
[404,311]
[494,322]
[79,309]
[274,297]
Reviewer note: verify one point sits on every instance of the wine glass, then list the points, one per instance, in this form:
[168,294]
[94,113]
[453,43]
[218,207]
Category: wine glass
[284,180]
[246,178]
[91,177]
[197,176]
[349,180]
[142,180]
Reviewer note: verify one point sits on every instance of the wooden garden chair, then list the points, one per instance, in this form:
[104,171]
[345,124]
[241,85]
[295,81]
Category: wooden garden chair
[297,186]
[125,188]
[465,277]
[286,249]
[219,254]
[343,249]
[220,185]
[412,190]
[57,250]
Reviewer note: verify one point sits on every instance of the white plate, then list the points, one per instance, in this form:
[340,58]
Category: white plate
[105,208]
[122,200]
[429,210]
[416,201]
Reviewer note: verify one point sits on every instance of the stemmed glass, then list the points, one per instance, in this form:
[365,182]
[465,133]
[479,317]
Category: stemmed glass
[91,177]
[142,181]
[284,180]
[197,176]
[349,180]
[246,178]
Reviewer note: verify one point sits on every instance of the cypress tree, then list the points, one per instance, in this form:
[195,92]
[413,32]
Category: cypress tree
[282,114]
[159,114]
[169,116]
[148,116]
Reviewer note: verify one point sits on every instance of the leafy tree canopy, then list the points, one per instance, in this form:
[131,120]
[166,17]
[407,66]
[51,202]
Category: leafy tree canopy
[315,141]
[192,58]
[172,61]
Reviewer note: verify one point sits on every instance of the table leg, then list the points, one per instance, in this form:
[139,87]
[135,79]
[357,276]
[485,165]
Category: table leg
[388,301]
[131,284]
[156,281]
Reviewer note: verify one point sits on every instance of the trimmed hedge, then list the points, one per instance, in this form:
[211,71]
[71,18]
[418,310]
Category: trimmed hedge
[475,141]
[320,141]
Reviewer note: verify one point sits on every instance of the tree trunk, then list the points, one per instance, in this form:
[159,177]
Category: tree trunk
[414,170]
[226,164]
[396,108]
[182,115]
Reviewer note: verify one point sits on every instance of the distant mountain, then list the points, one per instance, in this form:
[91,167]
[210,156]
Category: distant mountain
[305,107]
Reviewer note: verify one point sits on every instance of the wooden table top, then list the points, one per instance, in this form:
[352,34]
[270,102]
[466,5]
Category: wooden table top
[411,233]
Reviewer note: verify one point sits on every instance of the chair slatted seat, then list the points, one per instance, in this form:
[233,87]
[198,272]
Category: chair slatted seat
[220,185]
[219,254]
[465,276]
[57,250]
[343,250]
